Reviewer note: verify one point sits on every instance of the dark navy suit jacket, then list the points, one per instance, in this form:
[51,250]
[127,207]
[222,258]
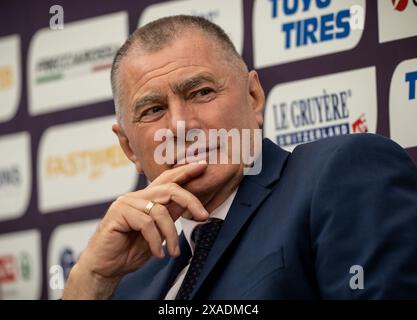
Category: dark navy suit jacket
[295,230]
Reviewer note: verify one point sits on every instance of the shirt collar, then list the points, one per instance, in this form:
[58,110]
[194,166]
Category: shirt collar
[220,212]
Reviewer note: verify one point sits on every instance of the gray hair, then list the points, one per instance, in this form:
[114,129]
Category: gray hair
[158,34]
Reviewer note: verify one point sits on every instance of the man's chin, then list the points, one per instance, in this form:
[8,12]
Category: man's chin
[199,185]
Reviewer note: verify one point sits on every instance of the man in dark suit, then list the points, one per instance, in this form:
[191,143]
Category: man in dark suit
[335,219]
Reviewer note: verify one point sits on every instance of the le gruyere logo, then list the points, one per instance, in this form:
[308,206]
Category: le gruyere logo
[327,106]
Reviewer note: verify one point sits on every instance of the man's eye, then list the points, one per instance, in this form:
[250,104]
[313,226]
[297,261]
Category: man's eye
[203,92]
[150,114]
[152,111]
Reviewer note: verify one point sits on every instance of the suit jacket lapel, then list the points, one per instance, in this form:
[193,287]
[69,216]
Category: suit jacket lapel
[252,191]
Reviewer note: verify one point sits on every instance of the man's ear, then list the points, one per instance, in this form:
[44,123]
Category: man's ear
[256,96]
[124,143]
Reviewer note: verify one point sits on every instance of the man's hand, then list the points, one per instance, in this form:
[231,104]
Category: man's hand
[127,237]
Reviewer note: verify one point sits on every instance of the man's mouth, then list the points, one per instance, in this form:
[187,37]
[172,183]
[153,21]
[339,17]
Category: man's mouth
[196,155]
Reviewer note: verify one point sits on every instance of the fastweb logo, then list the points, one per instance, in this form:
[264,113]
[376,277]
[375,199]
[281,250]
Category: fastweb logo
[81,163]
[93,163]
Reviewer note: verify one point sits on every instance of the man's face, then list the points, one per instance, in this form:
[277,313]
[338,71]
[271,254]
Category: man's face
[190,81]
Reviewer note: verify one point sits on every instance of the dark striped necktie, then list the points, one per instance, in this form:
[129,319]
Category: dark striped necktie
[203,236]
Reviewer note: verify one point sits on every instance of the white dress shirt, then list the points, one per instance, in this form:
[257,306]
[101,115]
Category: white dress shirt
[188,226]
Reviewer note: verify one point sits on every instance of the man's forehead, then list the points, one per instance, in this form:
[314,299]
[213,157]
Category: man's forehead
[139,71]
[189,47]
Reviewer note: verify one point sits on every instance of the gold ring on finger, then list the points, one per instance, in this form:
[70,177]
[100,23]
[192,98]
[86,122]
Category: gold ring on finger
[149,207]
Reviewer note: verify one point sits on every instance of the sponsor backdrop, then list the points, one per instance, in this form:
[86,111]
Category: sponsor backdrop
[328,68]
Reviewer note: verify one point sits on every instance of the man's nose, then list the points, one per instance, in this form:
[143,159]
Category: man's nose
[182,118]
